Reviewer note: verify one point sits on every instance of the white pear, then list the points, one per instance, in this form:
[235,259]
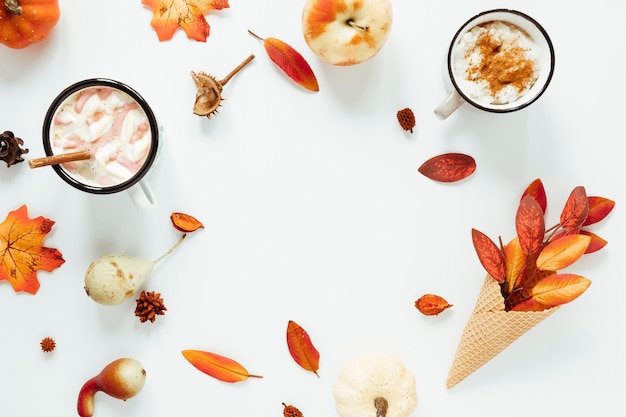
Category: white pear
[113,279]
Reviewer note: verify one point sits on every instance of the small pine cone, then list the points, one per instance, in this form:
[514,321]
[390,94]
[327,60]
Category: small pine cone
[48,344]
[406,118]
[291,411]
[149,305]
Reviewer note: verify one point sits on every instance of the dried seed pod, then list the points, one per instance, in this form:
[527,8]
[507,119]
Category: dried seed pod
[291,411]
[431,305]
[48,344]
[185,223]
[149,305]
[209,90]
[406,118]
[11,148]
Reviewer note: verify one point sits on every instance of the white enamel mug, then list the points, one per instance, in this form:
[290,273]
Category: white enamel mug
[543,51]
[119,129]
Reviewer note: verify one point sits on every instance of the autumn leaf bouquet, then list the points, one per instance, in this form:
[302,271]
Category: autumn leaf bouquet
[524,284]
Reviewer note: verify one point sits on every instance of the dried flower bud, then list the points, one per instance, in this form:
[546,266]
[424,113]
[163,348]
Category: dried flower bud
[291,411]
[431,305]
[406,118]
[48,344]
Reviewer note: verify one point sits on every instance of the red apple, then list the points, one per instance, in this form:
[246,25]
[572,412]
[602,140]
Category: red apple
[346,32]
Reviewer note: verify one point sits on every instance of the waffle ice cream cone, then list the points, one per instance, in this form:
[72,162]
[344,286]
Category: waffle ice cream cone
[489,331]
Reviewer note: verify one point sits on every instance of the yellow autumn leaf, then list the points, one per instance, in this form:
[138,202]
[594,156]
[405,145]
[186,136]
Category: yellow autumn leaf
[515,261]
[563,252]
[561,288]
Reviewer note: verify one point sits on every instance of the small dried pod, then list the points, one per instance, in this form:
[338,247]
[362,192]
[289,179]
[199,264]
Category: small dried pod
[48,344]
[431,304]
[209,90]
[291,411]
[185,223]
[406,118]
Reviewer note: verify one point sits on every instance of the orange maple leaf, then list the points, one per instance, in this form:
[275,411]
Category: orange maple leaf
[169,15]
[22,252]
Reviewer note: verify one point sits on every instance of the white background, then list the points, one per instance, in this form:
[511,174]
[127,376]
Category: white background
[314,212]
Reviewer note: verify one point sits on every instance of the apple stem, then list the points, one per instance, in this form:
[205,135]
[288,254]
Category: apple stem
[357,26]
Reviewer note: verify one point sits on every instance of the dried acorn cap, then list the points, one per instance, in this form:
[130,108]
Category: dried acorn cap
[406,118]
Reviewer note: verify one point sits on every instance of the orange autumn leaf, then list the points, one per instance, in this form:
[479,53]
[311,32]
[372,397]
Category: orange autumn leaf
[530,224]
[432,304]
[599,208]
[537,191]
[562,252]
[553,291]
[185,223]
[575,210]
[217,366]
[22,253]
[596,242]
[489,255]
[515,261]
[188,15]
[290,61]
[301,348]
[448,167]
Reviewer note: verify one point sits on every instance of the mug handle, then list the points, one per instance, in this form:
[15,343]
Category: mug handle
[449,104]
[142,196]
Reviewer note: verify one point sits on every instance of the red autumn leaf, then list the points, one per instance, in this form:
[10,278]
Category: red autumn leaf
[448,167]
[563,252]
[515,261]
[530,224]
[538,192]
[553,291]
[169,15]
[599,208]
[22,253]
[290,61]
[217,366]
[489,255]
[185,223]
[575,210]
[301,348]
[596,242]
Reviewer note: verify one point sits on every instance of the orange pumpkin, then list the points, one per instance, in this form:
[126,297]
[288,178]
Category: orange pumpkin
[24,22]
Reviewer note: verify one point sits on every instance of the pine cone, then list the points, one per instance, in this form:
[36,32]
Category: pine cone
[149,305]
[406,118]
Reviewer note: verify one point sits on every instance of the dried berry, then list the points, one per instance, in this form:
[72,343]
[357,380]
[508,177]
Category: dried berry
[48,344]
[406,118]
[10,148]
[431,305]
[291,411]
[149,305]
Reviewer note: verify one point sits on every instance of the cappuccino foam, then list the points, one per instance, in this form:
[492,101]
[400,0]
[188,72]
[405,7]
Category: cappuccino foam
[495,63]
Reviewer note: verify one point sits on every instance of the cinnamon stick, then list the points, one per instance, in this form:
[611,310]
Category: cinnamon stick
[59,159]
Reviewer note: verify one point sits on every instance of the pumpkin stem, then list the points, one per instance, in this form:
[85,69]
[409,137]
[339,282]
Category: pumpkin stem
[381,405]
[13,7]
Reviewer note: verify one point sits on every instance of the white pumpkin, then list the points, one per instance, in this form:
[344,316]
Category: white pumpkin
[375,385]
